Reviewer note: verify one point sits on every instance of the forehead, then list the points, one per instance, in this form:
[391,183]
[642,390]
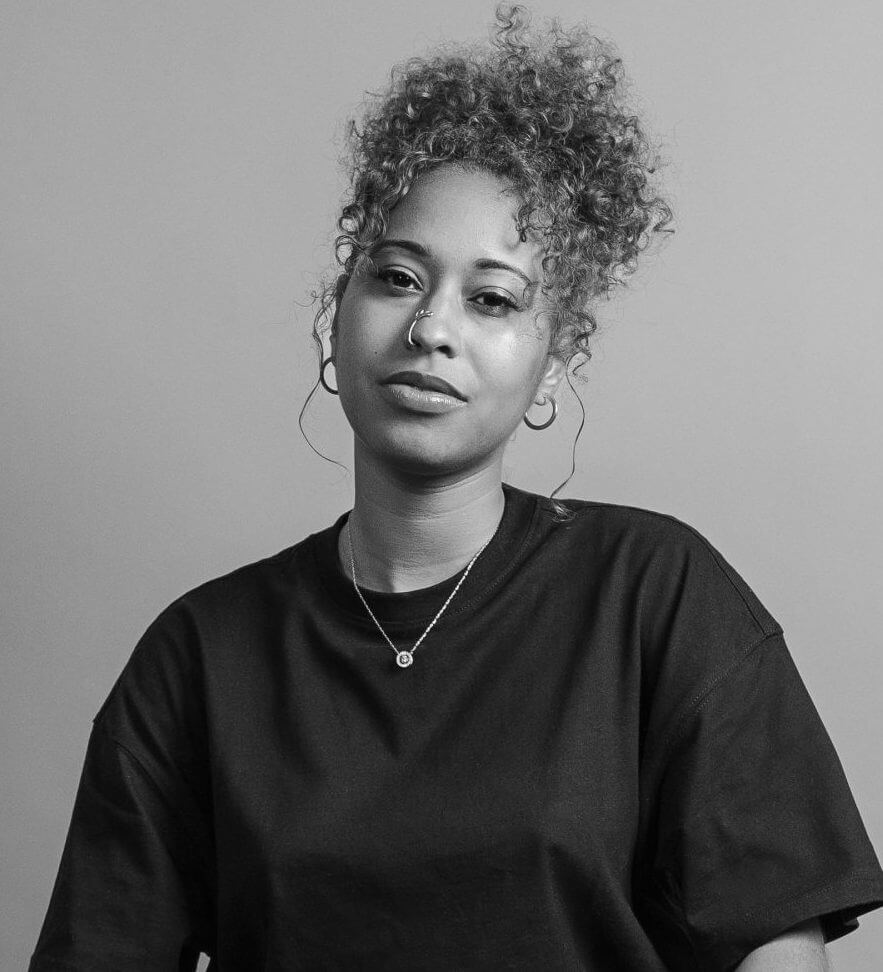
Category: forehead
[463,213]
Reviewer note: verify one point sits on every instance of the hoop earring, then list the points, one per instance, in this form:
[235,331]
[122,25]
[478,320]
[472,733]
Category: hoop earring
[322,380]
[420,313]
[548,422]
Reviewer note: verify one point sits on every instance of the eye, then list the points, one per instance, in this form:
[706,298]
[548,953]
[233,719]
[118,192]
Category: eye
[495,304]
[397,278]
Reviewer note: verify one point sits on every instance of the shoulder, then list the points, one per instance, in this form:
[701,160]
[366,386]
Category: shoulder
[240,595]
[605,519]
[661,554]
[662,587]
[643,528]
[213,624]
[679,605]
[258,578]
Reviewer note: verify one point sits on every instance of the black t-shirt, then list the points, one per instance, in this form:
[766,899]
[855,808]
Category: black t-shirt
[602,758]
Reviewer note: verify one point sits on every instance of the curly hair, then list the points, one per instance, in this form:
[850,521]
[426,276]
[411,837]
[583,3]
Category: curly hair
[545,114]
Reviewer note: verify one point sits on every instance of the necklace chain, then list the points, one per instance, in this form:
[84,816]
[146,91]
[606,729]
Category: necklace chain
[405,658]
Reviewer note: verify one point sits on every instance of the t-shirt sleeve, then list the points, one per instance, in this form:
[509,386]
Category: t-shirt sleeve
[756,827]
[133,889]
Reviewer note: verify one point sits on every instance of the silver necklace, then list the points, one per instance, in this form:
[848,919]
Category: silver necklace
[405,658]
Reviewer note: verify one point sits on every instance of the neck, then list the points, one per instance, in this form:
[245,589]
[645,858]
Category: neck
[411,532]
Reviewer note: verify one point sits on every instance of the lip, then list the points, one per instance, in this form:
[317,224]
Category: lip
[417,392]
[425,382]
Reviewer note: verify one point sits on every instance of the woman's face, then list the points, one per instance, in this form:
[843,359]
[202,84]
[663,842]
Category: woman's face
[452,248]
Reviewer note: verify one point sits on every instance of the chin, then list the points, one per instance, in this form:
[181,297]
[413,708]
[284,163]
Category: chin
[426,455]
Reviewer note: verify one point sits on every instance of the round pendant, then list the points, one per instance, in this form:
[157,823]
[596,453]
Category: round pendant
[404,659]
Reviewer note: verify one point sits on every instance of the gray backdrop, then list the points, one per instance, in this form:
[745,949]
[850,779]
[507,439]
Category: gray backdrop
[169,185]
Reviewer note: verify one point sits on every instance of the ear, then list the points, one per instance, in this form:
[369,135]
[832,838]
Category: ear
[553,374]
[339,290]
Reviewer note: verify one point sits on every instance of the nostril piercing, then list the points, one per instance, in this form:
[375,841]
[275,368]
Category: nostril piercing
[420,313]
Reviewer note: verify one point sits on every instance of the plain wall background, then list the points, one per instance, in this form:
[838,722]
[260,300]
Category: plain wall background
[169,185]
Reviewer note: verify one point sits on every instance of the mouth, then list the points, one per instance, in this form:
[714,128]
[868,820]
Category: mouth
[428,383]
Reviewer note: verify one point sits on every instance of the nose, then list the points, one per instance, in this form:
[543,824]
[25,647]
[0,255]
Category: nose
[434,328]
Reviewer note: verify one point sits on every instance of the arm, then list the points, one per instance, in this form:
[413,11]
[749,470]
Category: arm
[801,949]
[130,891]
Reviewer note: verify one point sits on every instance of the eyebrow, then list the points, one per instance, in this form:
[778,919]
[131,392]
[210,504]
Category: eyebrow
[485,263]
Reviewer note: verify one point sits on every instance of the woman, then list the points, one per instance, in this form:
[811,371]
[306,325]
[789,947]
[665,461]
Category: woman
[467,727]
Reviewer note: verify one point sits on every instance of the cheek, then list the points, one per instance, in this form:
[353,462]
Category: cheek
[366,323]
[356,336]
[516,366]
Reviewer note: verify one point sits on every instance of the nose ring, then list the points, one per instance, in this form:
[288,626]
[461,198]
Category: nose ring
[420,313]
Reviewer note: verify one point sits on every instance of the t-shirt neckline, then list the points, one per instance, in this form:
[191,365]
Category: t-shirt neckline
[409,610]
